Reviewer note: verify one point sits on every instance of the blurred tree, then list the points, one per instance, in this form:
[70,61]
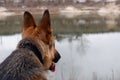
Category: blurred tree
[39,1]
[88,1]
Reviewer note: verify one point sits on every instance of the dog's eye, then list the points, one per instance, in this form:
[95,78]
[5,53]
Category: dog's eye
[49,44]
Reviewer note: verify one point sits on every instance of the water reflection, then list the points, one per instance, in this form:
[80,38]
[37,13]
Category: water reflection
[62,25]
[99,59]
[89,46]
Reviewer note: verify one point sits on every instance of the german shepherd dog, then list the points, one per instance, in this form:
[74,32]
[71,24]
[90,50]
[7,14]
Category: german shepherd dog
[35,53]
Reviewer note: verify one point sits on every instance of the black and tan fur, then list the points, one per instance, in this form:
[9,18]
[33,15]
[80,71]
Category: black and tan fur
[34,54]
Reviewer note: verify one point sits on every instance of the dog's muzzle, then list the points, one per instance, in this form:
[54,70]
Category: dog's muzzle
[52,67]
[55,60]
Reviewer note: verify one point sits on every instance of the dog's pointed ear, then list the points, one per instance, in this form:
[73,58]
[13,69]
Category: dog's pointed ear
[45,27]
[28,21]
[46,23]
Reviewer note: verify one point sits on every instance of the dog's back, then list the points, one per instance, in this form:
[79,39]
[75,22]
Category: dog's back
[22,64]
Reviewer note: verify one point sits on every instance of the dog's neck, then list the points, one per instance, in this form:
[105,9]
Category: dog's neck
[29,44]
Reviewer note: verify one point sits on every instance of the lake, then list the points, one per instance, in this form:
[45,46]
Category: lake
[89,45]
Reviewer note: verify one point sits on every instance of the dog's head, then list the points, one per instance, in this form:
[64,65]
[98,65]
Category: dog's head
[42,35]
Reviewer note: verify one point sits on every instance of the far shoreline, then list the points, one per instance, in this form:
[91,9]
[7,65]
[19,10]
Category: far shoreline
[109,9]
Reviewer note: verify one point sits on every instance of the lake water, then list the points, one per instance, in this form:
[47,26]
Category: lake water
[89,45]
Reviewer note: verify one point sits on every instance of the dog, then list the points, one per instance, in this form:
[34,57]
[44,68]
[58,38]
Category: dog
[35,54]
